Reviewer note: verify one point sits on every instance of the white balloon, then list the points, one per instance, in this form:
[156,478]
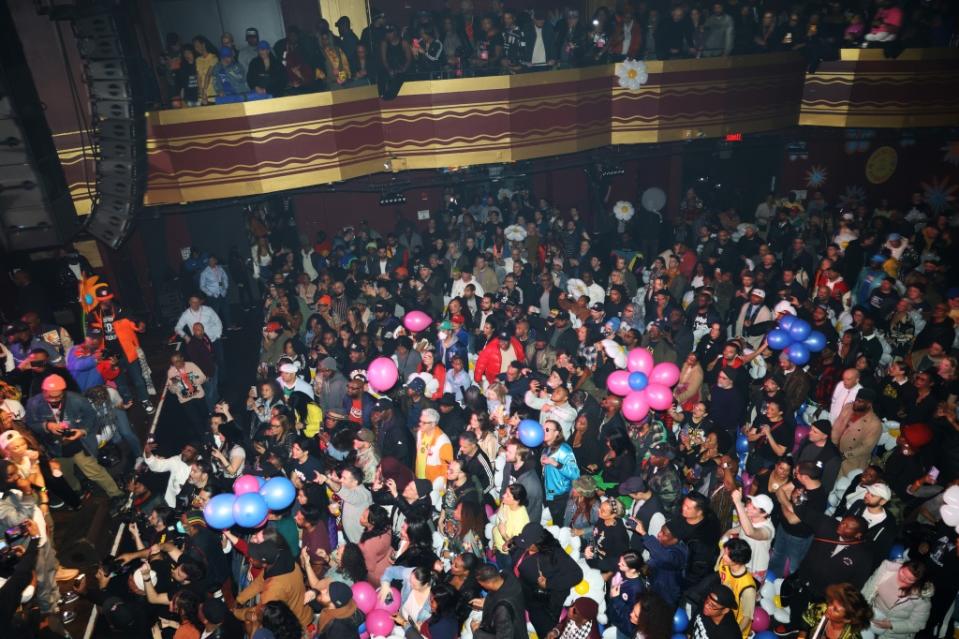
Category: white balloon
[781,615]
[768,590]
[951,496]
[779,584]
[950,514]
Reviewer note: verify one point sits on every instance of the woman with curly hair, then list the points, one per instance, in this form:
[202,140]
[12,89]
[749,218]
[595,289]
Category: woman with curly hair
[652,617]
[278,622]
[845,614]
[481,425]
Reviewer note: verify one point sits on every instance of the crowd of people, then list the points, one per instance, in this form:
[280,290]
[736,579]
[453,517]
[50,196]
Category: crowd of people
[514,39]
[801,499]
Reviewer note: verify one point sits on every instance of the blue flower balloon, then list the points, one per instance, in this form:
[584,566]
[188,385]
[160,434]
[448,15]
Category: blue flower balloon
[799,330]
[815,342]
[638,381]
[250,510]
[278,492]
[798,354]
[778,339]
[742,444]
[218,512]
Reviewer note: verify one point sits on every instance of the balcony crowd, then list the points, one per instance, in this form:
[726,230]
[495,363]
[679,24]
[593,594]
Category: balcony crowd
[463,42]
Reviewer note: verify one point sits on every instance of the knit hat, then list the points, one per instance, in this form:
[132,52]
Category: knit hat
[917,435]
[195,518]
[824,426]
[214,610]
[340,594]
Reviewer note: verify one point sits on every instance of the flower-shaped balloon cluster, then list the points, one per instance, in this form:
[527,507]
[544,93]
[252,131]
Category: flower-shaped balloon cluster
[250,503]
[797,338]
[644,385]
[624,211]
[632,74]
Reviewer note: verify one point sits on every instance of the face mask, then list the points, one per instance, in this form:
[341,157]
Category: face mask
[443,334]
[179,528]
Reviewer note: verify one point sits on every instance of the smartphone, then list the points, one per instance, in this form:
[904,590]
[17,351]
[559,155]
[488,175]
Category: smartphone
[933,473]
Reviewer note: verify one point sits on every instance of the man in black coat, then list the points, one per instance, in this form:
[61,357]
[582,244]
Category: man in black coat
[504,607]
[393,438]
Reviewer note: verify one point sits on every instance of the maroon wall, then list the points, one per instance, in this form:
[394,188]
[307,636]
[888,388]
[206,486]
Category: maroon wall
[921,159]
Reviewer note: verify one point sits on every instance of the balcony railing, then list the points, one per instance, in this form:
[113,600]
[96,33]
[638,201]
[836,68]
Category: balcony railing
[251,148]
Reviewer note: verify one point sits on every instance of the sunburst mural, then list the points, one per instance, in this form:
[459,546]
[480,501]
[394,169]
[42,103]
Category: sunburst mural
[951,152]
[939,193]
[852,197]
[816,176]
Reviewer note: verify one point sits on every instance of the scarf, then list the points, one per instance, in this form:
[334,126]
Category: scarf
[573,631]
[331,614]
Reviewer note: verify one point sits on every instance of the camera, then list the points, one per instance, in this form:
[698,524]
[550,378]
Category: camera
[67,432]
[114,567]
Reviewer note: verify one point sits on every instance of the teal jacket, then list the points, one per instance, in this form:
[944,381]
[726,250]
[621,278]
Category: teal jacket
[559,479]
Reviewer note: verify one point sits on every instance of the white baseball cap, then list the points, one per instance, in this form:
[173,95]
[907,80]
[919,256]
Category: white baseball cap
[763,503]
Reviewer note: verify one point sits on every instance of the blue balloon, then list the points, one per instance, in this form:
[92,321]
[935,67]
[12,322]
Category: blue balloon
[770,576]
[742,444]
[278,493]
[815,342]
[799,330]
[798,353]
[638,381]
[531,433]
[680,620]
[765,634]
[787,321]
[778,339]
[261,481]
[679,635]
[250,510]
[218,512]
[897,552]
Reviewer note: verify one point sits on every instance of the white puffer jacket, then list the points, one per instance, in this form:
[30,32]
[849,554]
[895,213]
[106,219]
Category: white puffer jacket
[910,612]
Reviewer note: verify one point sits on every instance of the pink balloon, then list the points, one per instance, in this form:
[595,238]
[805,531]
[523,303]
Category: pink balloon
[635,407]
[658,396]
[365,597]
[665,373]
[392,604]
[639,359]
[382,374]
[246,484]
[416,321]
[802,432]
[379,622]
[760,620]
[618,383]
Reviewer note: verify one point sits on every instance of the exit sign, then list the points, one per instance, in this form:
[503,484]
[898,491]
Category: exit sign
[734,137]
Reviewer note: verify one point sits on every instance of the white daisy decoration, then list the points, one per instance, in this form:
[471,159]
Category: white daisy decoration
[514,233]
[632,74]
[576,288]
[624,211]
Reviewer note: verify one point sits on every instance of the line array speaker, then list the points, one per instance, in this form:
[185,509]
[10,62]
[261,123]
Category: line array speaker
[109,53]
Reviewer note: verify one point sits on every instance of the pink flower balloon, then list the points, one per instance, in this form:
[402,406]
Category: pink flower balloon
[392,604]
[365,596]
[382,374]
[658,396]
[618,383]
[639,359]
[635,406]
[246,484]
[379,623]
[416,321]
[665,373]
